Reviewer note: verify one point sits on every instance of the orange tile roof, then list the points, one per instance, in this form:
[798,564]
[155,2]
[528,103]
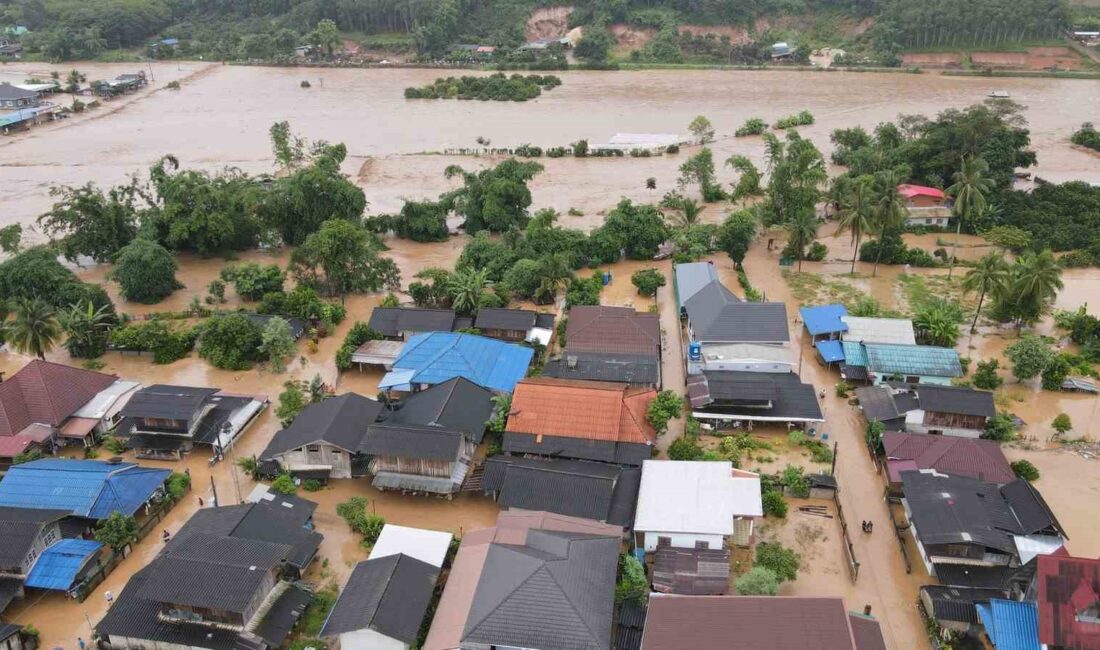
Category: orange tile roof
[573,408]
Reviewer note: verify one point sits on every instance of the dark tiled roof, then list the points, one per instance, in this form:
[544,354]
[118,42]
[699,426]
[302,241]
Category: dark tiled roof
[505,319]
[19,528]
[974,458]
[867,633]
[625,453]
[389,595]
[9,589]
[956,605]
[746,623]
[694,572]
[954,399]
[877,403]
[555,591]
[392,321]
[790,398]
[576,488]
[612,330]
[46,393]
[341,421]
[260,522]
[283,616]
[716,315]
[976,577]
[636,369]
[456,404]
[408,441]
[167,402]
[1030,508]
[628,633]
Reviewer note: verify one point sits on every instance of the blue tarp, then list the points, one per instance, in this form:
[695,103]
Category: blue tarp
[59,564]
[824,319]
[437,357]
[88,488]
[1011,625]
[831,351]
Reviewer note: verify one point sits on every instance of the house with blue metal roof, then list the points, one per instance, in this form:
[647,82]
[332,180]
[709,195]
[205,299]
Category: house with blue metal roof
[88,489]
[913,364]
[61,565]
[1011,624]
[824,321]
[436,357]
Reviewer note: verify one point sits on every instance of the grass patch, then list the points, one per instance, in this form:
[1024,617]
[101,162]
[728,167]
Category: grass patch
[816,289]
[919,290]
[318,610]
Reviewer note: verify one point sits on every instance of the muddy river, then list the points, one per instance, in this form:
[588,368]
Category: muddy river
[220,118]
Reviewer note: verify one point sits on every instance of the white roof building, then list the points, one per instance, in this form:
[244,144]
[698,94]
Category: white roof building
[879,330]
[695,497]
[108,401]
[429,546]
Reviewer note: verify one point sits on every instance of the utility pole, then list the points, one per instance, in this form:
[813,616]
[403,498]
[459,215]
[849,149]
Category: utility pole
[214,489]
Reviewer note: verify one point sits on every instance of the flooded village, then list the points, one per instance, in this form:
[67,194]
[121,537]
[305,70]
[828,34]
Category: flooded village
[894,582]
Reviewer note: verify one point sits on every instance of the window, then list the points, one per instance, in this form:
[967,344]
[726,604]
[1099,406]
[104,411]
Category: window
[313,449]
[664,541]
[336,452]
[702,544]
[49,536]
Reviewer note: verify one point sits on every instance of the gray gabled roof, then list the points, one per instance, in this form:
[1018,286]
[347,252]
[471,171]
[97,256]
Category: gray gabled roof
[410,441]
[19,528]
[636,369]
[556,591]
[389,595]
[340,421]
[392,321]
[10,92]
[692,277]
[505,319]
[776,395]
[956,400]
[716,315]
[259,522]
[456,404]
[167,402]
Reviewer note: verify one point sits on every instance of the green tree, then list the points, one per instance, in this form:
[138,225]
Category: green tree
[688,211]
[1062,424]
[759,581]
[88,222]
[748,183]
[986,376]
[253,281]
[1029,356]
[468,288]
[230,341]
[990,276]
[638,230]
[277,343]
[32,328]
[284,484]
[295,206]
[422,221]
[797,172]
[1036,281]
[116,531]
[774,504]
[288,148]
[291,402]
[11,238]
[888,209]
[595,45]
[88,329]
[937,323]
[701,129]
[584,291]
[325,36]
[972,183]
[782,561]
[685,448]
[664,407]
[699,169]
[494,199]
[801,232]
[856,214]
[647,281]
[1001,427]
[736,234]
[1026,470]
[145,271]
[632,585]
[341,258]
[250,466]
[1055,372]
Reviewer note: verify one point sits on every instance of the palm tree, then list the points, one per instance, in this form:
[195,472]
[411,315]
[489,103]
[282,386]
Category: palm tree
[990,277]
[554,274]
[33,327]
[467,288]
[87,328]
[689,211]
[803,231]
[887,207]
[1037,279]
[856,214]
[972,183]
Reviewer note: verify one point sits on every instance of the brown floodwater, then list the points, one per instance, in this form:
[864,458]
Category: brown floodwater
[221,116]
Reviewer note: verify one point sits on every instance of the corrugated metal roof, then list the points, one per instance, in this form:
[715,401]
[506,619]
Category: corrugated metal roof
[58,565]
[694,497]
[436,357]
[831,351]
[692,277]
[879,330]
[824,319]
[87,488]
[890,359]
[1011,625]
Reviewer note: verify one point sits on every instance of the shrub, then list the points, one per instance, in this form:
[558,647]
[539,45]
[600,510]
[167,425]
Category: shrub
[584,291]
[359,334]
[116,531]
[230,342]
[632,585]
[145,271]
[166,343]
[254,281]
[284,484]
[802,118]
[782,561]
[816,252]
[843,388]
[1025,470]
[774,503]
[986,376]
[665,406]
[752,126]
[113,445]
[648,281]
[685,448]
[794,479]
[1000,427]
[1062,424]
[796,438]
[177,485]
[759,581]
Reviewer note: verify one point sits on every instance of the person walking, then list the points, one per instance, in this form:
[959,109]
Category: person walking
[109,596]
[80,643]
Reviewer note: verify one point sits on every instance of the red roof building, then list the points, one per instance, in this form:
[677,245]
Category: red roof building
[922,196]
[1069,602]
[43,395]
[970,457]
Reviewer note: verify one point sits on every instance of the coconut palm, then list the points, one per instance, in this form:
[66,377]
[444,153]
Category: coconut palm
[803,231]
[856,215]
[887,209]
[554,275]
[467,288]
[990,276]
[688,212]
[938,324]
[1036,281]
[972,183]
[87,328]
[32,328]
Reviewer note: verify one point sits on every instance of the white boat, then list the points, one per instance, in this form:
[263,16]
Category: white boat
[999,94]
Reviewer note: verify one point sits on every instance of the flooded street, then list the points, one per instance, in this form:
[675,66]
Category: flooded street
[221,117]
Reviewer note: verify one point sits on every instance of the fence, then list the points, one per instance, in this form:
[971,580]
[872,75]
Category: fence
[853,563]
[105,566]
[899,531]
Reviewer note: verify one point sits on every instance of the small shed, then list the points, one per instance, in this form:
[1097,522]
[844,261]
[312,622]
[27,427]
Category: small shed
[429,546]
[824,321]
[377,353]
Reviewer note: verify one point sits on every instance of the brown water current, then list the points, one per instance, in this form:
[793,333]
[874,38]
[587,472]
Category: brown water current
[220,118]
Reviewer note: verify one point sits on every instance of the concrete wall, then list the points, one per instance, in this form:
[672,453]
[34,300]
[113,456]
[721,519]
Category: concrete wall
[369,640]
[681,540]
[327,456]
